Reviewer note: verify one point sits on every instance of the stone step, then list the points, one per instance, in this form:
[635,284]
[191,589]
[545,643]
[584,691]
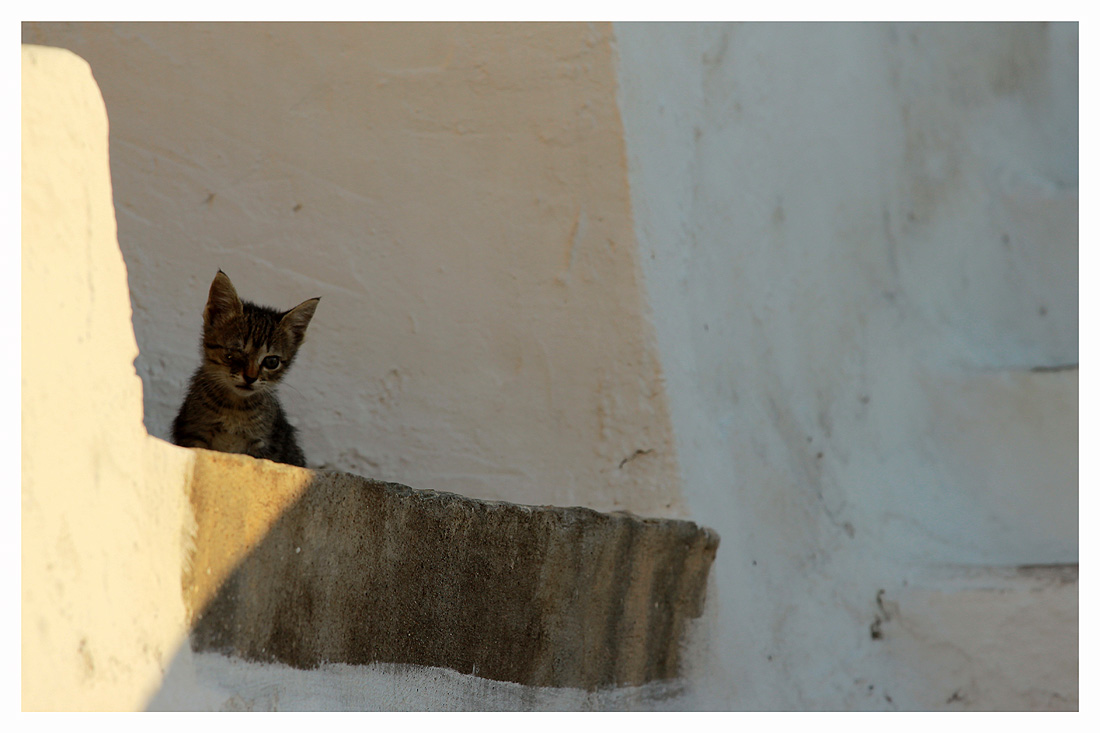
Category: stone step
[308,567]
[944,636]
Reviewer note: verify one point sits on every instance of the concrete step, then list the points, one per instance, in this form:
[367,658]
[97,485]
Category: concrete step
[983,638]
[311,567]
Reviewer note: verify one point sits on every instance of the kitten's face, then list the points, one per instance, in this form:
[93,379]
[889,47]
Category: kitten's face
[244,364]
[249,347]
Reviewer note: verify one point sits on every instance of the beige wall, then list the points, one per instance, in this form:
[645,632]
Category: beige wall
[457,196]
[104,512]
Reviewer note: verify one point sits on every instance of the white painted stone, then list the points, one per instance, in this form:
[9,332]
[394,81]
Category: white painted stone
[984,639]
[104,513]
[858,240]
[855,242]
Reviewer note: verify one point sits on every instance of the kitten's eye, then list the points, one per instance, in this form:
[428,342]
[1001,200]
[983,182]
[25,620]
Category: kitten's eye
[271,362]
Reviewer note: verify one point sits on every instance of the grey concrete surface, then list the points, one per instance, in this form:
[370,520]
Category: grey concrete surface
[357,571]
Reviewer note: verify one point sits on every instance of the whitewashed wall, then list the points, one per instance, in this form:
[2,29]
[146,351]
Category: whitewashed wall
[860,250]
[457,197]
[813,286]
[104,513]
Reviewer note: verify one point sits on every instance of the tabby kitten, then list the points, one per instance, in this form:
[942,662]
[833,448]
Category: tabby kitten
[231,404]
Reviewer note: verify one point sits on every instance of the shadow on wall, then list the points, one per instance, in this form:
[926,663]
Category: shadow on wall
[305,568]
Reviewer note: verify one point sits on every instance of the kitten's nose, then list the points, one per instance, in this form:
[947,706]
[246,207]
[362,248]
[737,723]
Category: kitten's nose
[248,378]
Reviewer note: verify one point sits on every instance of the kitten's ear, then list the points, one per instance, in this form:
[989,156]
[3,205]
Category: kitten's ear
[297,318]
[222,301]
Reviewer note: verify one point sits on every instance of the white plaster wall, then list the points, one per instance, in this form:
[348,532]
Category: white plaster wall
[859,244]
[213,682]
[104,514]
[455,194]
[105,517]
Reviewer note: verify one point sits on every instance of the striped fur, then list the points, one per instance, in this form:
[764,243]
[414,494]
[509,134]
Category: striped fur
[231,404]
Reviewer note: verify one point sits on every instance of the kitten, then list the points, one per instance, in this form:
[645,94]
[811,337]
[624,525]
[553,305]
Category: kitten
[246,350]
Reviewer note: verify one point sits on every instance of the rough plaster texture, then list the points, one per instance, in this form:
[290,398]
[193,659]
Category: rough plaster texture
[855,240]
[130,541]
[104,513]
[998,639]
[215,682]
[860,250]
[307,568]
[457,195]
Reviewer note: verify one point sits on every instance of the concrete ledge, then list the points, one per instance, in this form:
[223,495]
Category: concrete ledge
[305,568]
[944,636]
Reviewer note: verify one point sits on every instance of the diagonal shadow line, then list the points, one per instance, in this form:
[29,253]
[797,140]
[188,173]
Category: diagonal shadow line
[306,568]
